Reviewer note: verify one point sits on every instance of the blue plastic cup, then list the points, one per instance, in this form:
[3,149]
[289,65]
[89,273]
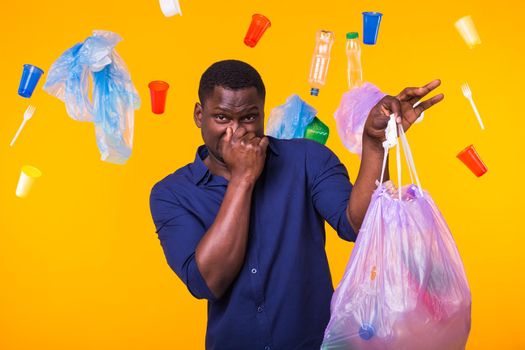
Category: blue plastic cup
[30,77]
[371,21]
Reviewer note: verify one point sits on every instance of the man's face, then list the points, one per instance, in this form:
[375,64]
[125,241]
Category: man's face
[229,108]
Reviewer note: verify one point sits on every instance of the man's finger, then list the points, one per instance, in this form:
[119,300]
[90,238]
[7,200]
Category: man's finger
[247,138]
[228,135]
[428,103]
[391,105]
[264,143]
[238,134]
[406,94]
[414,94]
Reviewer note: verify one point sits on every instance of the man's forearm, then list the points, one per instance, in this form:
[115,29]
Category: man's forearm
[220,253]
[364,186]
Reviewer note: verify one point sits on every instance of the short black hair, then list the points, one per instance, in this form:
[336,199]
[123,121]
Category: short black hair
[230,74]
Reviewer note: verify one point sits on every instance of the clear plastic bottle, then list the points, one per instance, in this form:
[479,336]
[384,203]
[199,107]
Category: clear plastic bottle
[320,60]
[353,53]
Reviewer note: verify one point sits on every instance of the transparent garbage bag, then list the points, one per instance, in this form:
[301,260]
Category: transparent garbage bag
[290,120]
[114,97]
[404,287]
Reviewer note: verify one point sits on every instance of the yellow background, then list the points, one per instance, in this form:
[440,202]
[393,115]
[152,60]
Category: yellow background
[80,264]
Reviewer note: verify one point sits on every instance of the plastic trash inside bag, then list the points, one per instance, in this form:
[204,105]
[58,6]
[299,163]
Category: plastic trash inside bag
[290,120]
[114,98]
[404,286]
[351,115]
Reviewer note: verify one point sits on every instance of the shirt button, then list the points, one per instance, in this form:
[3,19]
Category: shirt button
[254,270]
[260,308]
[267,347]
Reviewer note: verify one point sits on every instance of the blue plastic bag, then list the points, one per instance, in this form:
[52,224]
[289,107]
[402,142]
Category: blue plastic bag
[114,98]
[290,120]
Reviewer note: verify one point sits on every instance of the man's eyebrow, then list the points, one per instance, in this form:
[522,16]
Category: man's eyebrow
[252,108]
[226,109]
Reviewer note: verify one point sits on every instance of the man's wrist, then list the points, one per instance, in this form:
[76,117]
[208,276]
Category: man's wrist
[372,144]
[244,182]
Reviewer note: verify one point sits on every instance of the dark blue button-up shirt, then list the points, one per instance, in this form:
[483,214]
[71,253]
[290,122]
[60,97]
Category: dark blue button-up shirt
[281,297]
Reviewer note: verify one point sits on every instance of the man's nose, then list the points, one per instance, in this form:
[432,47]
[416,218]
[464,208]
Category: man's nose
[234,125]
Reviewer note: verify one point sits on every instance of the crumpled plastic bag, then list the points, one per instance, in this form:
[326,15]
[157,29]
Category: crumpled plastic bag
[404,286]
[290,120]
[114,97]
[350,116]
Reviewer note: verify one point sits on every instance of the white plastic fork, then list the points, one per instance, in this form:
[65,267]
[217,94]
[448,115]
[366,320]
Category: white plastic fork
[27,115]
[468,95]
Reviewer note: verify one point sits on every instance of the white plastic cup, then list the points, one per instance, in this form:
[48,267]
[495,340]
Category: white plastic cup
[170,7]
[28,175]
[467,30]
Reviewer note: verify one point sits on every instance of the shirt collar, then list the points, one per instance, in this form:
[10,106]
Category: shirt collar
[201,172]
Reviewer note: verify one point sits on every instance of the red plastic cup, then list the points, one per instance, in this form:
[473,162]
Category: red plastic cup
[158,90]
[471,159]
[257,28]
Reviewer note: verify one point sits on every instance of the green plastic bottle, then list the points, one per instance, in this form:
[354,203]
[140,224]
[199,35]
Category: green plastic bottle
[317,131]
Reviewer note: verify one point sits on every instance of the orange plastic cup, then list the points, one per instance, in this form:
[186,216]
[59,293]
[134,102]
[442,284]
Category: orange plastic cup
[257,28]
[471,159]
[158,90]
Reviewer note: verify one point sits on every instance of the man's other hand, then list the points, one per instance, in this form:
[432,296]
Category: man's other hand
[243,153]
[402,106]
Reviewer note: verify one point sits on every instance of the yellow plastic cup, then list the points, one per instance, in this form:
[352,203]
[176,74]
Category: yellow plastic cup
[467,30]
[28,175]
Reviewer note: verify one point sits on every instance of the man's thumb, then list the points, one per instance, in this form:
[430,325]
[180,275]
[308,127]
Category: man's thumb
[229,133]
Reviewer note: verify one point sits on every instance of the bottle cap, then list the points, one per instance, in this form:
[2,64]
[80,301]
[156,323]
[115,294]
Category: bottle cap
[366,331]
[314,91]
[352,35]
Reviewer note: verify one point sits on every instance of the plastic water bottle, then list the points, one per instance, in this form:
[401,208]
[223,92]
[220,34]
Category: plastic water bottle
[320,60]
[353,53]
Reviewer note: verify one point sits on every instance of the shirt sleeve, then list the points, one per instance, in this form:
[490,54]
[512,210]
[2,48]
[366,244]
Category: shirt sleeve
[330,188]
[179,232]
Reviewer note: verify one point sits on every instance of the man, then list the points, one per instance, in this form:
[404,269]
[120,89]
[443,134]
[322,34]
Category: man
[243,225]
